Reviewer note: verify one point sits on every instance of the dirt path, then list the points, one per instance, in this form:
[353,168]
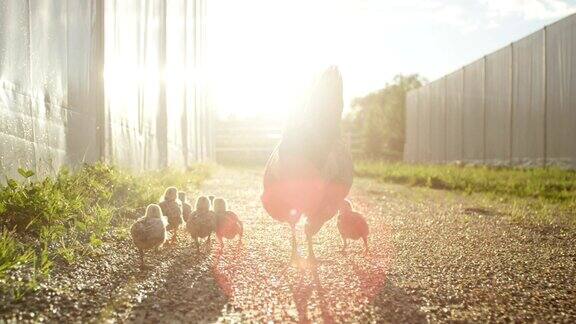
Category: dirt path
[432,259]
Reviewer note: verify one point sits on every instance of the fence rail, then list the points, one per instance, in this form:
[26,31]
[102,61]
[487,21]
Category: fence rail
[516,106]
[253,142]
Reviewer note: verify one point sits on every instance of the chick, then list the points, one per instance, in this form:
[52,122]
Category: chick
[227,223]
[202,222]
[352,225]
[172,210]
[149,231]
[186,207]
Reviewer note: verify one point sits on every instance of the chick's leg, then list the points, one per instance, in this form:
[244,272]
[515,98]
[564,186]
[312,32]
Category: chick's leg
[240,232]
[220,242]
[197,244]
[174,238]
[141,254]
[365,239]
[345,246]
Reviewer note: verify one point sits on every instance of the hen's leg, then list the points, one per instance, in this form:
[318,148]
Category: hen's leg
[311,256]
[365,239]
[294,255]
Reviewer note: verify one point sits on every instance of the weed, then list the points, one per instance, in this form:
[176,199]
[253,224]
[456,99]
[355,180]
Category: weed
[541,195]
[63,218]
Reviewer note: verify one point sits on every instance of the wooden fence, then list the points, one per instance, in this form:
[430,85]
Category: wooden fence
[253,141]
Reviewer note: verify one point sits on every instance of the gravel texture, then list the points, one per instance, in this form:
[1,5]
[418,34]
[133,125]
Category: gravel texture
[433,258]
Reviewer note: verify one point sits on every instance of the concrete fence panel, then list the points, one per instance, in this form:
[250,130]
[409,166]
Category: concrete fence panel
[454,114]
[411,144]
[561,93]
[473,113]
[424,118]
[516,106]
[498,107]
[438,121]
[528,100]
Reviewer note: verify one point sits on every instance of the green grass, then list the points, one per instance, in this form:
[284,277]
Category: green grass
[543,194]
[57,221]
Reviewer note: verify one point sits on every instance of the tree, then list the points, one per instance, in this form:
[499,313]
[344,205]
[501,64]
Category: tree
[380,117]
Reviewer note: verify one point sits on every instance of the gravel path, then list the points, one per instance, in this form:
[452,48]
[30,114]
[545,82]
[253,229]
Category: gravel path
[433,259]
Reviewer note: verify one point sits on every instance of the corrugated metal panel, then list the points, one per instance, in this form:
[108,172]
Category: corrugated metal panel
[16,119]
[498,106]
[152,102]
[473,119]
[176,105]
[52,106]
[437,121]
[47,103]
[454,115]
[561,93]
[528,100]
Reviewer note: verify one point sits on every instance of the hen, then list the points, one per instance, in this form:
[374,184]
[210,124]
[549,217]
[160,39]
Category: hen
[310,171]
[352,225]
[228,225]
[202,222]
[171,209]
[149,231]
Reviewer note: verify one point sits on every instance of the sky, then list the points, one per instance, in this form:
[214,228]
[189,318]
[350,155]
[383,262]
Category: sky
[263,54]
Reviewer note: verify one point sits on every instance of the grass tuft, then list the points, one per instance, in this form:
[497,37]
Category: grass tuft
[546,195]
[58,220]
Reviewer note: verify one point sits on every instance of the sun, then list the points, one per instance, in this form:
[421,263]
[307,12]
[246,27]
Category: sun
[263,55]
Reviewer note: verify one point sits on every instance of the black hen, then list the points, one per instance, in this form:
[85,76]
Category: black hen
[310,172]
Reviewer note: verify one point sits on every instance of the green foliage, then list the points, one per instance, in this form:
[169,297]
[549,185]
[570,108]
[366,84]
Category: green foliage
[380,118]
[547,191]
[62,218]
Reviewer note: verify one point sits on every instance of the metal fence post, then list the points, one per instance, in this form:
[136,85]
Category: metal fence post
[445,119]
[462,109]
[511,121]
[545,86]
[484,110]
